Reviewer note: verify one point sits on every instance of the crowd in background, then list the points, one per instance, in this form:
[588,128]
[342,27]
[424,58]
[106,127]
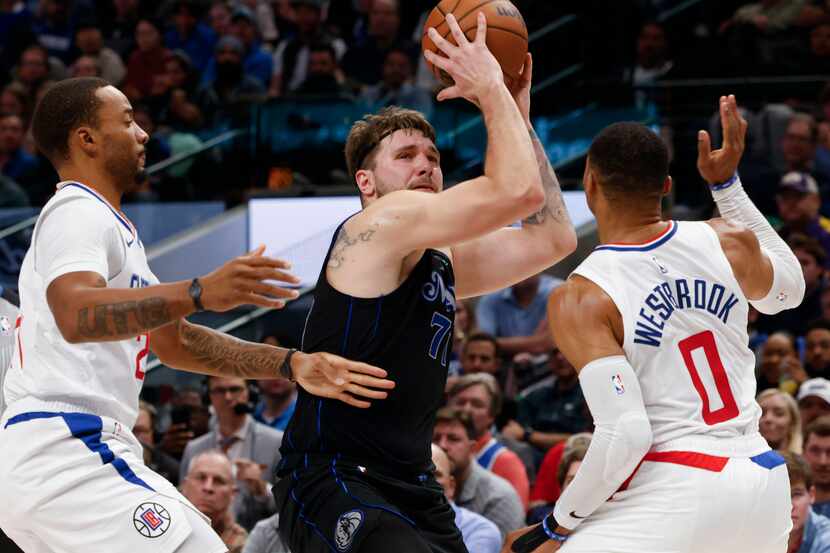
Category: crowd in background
[515,426]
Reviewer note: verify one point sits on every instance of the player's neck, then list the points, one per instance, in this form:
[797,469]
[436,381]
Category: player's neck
[629,227]
[101,183]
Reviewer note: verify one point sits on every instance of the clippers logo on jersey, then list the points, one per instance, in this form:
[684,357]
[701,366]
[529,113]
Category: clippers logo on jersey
[436,289]
[681,293]
[347,526]
[151,520]
[619,387]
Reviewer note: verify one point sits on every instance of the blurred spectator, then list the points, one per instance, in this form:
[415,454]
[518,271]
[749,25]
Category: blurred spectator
[265,537]
[85,66]
[479,396]
[253,447]
[818,58]
[33,70]
[548,485]
[799,202]
[480,354]
[779,366]
[571,458]
[813,400]
[365,60]
[780,423]
[817,349]
[396,88]
[817,455]
[257,63]
[11,194]
[188,419]
[147,61]
[90,42]
[324,76]
[291,58]
[799,145]
[219,18]
[268,31]
[653,59]
[517,315]
[278,398]
[813,259]
[15,100]
[810,532]
[120,31]
[767,15]
[188,34]
[477,489]
[551,411]
[15,162]
[53,28]
[174,94]
[209,486]
[479,534]
[145,430]
[230,94]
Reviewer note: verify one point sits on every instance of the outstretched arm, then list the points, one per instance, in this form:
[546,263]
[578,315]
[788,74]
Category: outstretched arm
[509,255]
[195,348]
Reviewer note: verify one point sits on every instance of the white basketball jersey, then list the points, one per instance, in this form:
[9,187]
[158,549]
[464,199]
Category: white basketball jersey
[77,230]
[685,324]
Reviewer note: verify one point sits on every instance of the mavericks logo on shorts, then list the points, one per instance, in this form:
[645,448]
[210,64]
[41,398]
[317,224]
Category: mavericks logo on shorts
[347,526]
[151,520]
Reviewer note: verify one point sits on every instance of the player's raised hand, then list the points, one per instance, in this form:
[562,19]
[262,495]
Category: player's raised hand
[719,165]
[242,281]
[470,64]
[331,376]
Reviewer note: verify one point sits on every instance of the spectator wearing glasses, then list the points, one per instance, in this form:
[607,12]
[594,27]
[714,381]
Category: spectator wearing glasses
[251,446]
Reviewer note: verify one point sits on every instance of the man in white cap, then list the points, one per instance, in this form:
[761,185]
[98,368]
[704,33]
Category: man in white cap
[813,400]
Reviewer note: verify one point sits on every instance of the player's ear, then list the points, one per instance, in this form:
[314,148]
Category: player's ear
[85,140]
[365,180]
[667,184]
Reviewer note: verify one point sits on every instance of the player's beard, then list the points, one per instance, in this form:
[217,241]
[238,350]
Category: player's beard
[123,166]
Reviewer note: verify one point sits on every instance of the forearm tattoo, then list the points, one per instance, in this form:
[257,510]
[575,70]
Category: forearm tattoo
[229,356]
[128,318]
[554,207]
[345,241]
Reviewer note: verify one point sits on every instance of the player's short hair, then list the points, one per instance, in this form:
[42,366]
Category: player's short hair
[366,134]
[488,382]
[820,427]
[481,337]
[67,105]
[575,453]
[449,415]
[798,469]
[818,324]
[630,161]
[810,246]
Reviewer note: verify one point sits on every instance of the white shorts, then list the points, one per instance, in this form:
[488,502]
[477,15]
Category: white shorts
[742,506]
[73,482]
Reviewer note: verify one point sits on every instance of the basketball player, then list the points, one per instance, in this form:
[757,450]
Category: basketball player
[361,481]
[71,472]
[655,319]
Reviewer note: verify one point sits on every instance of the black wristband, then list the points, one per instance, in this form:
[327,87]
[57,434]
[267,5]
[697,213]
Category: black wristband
[538,535]
[195,292]
[285,368]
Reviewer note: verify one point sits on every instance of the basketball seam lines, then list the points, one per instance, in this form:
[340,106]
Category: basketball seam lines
[459,19]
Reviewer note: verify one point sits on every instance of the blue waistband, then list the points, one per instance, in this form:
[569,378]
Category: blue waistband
[769,459]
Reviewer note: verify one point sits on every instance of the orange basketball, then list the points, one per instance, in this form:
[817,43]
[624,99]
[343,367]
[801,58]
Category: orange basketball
[506,32]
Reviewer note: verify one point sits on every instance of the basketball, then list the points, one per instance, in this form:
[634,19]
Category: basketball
[506,32]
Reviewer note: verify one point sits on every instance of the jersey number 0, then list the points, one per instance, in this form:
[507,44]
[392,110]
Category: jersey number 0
[706,341]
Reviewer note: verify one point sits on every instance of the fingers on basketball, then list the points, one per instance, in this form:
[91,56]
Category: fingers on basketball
[505,32]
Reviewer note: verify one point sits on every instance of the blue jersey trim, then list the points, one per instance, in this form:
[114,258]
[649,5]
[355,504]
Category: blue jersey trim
[769,459]
[302,517]
[106,203]
[642,248]
[377,318]
[87,428]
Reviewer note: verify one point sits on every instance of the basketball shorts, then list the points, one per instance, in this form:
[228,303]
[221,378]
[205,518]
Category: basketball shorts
[330,506]
[683,502]
[75,482]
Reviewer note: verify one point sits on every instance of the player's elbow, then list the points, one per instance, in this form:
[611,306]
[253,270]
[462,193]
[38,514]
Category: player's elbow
[565,243]
[640,436]
[69,332]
